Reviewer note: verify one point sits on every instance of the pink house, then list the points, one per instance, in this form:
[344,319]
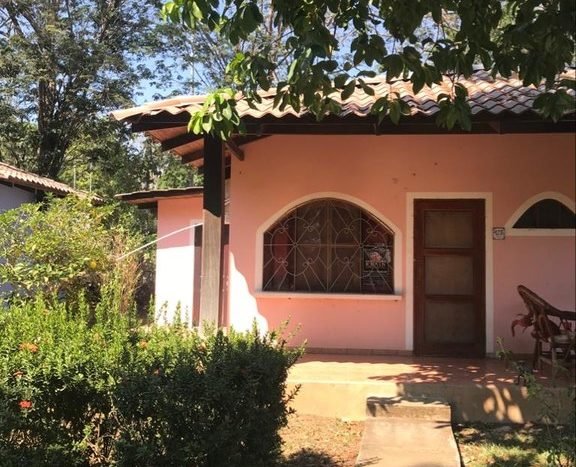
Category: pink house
[370,237]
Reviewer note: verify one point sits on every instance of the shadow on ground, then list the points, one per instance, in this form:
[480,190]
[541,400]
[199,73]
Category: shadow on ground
[310,458]
[513,445]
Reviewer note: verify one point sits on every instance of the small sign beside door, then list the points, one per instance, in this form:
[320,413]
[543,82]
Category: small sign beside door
[498,233]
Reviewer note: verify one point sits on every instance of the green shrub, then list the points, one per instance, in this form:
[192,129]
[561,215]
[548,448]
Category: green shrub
[216,401]
[67,247]
[82,388]
[557,419]
[57,375]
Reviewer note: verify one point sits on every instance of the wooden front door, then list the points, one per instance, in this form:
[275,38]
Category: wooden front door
[449,277]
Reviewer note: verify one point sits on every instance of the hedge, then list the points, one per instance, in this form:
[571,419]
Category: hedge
[81,388]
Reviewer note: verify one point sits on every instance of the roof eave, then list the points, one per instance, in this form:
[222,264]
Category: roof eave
[149,198]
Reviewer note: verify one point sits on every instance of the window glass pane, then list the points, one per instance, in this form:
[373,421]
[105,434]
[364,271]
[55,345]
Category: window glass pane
[311,224]
[566,218]
[345,224]
[278,267]
[546,214]
[448,229]
[345,269]
[310,268]
[377,282]
[449,275]
[279,256]
[281,233]
[528,220]
[450,323]
[376,233]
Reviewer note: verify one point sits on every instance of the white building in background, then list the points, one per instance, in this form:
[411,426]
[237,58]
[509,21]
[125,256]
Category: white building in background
[18,186]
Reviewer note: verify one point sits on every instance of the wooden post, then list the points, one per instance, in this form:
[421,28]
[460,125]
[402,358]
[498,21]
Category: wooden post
[213,215]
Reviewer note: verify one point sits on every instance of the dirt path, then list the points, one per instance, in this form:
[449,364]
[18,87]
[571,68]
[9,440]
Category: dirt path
[311,441]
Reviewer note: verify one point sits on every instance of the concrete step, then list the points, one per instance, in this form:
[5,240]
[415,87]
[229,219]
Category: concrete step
[407,442]
[399,407]
[401,432]
[473,402]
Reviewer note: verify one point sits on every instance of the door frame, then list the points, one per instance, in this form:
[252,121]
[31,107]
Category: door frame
[488,265]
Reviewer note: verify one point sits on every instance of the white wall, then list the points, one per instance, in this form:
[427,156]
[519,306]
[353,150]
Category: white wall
[12,197]
[175,257]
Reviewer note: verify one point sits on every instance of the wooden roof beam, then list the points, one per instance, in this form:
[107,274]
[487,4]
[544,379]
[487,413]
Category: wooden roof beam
[235,150]
[192,156]
[160,121]
[227,169]
[180,140]
[138,127]
[198,153]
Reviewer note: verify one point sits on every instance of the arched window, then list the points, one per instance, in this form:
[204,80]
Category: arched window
[329,246]
[546,214]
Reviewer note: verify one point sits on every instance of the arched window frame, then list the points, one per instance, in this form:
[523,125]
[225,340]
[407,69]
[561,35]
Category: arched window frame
[397,257]
[511,231]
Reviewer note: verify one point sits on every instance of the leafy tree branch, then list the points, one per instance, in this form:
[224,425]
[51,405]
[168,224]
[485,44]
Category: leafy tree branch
[332,46]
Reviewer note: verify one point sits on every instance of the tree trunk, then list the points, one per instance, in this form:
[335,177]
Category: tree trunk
[52,143]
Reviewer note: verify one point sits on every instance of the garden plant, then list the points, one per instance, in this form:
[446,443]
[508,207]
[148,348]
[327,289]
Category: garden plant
[558,420]
[84,382]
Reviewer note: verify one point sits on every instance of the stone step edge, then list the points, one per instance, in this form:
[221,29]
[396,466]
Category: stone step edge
[398,407]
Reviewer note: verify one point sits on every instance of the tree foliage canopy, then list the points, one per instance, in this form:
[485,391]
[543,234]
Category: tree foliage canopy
[420,41]
[64,64]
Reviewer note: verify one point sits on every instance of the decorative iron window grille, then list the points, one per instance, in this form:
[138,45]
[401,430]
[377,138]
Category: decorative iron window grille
[329,246]
[546,214]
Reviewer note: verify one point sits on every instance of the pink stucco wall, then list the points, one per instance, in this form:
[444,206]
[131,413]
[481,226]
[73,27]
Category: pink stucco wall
[545,265]
[381,172]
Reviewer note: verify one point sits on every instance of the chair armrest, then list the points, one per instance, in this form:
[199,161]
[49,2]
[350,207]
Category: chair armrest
[568,315]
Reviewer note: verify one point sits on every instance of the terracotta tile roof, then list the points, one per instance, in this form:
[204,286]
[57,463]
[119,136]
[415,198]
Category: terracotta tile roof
[15,176]
[486,95]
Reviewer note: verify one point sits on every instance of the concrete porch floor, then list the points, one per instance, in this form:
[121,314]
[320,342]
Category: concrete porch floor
[477,390]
